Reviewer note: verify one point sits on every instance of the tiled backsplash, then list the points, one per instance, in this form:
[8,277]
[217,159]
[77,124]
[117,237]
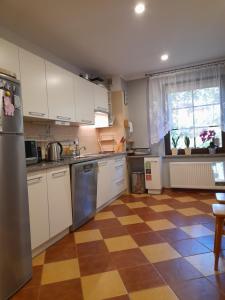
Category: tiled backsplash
[48,131]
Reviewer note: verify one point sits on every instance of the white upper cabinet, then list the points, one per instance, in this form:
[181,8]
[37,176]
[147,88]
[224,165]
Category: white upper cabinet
[9,57]
[101,98]
[33,82]
[84,101]
[60,90]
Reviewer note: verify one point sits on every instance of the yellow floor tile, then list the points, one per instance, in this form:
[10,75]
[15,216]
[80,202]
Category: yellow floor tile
[161,197]
[158,293]
[190,211]
[132,219]
[102,286]
[104,215]
[136,205]
[160,224]
[39,260]
[205,263]
[196,231]
[161,208]
[117,202]
[139,195]
[186,199]
[88,236]
[60,271]
[120,243]
[159,252]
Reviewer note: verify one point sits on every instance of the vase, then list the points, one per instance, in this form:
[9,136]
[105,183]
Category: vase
[174,151]
[212,150]
[187,151]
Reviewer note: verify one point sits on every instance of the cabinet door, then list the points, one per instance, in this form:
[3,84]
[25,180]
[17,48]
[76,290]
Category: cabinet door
[38,208]
[59,198]
[119,173]
[33,82]
[9,57]
[101,99]
[60,93]
[84,101]
[104,183]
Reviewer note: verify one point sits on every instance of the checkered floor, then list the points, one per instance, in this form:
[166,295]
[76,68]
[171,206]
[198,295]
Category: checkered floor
[140,247]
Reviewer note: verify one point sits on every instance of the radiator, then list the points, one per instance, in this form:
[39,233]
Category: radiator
[196,175]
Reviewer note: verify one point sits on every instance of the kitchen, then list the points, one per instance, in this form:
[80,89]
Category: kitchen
[102,209]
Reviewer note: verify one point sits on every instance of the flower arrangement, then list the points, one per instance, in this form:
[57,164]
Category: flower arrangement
[207,137]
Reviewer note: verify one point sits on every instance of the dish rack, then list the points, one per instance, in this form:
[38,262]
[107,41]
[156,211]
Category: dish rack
[107,143]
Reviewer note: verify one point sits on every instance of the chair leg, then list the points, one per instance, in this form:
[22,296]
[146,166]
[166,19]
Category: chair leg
[215,236]
[217,246]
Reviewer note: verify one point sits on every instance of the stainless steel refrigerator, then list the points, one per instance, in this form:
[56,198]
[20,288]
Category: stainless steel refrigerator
[15,246]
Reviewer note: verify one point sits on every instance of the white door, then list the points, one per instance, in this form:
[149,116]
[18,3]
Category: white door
[38,208]
[59,198]
[84,101]
[60,92]
[33,83]
[9,57]
[101,98]
[104,182]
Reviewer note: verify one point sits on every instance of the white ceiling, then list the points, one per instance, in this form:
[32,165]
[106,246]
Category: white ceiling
[105,36]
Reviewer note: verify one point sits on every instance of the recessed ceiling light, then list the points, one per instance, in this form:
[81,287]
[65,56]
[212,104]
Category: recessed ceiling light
[139,8]
[164,57]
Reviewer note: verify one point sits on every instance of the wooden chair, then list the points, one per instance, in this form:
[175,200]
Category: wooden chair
[219,213]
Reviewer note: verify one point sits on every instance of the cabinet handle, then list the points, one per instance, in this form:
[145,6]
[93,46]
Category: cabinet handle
[63,118]
[87,121]
[33,113]
[34,180]
[58,174]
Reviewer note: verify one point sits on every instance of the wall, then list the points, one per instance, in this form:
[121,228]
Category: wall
[48,131]
[138,111]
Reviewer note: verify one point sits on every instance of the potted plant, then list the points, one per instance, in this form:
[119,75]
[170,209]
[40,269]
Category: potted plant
[187,150]
[175,140]
[208,140]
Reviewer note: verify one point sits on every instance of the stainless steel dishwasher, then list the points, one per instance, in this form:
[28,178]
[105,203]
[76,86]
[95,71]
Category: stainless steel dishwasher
[84,192]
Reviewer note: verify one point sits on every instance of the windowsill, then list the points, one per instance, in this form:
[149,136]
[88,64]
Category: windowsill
[195,155]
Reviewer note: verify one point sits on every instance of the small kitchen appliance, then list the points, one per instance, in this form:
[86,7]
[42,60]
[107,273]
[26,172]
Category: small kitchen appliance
[54,151]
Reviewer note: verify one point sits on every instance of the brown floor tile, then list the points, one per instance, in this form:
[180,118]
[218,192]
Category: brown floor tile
[88,226]
[60,252]
[27,294]
[67,240]
[108,232]
[95,264]
[38,260]
[147,238]
[177,270]
[36,277]
[141,277]
[122,210]
[128,258]
[197,289]
[92,248]
[177,218]
[124,297]
[202,219]
[66,290]
[218,280]
[142,211]
[137,228]
[189,247]
[172,235]
[208,241]
[107,223]
[151,216]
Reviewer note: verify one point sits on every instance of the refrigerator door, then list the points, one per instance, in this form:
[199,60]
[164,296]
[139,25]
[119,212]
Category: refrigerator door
[15,247]
[11,115]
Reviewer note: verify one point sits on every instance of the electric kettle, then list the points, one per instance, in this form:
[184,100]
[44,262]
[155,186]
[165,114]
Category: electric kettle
[54,151]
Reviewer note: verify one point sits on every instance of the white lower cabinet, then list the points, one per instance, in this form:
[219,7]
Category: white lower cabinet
[111,179]
[49,204]
[59,198]
[38,208]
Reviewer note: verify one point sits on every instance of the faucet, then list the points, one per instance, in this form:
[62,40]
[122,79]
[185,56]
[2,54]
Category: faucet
[77,149]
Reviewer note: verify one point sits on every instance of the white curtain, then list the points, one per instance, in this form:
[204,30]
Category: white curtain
[191,78]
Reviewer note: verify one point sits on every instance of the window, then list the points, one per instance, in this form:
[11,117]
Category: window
[193,111]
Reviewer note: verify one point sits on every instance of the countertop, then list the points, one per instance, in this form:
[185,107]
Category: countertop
[69,161]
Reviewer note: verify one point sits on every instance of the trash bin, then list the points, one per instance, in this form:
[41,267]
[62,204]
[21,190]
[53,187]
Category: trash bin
[138,182]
